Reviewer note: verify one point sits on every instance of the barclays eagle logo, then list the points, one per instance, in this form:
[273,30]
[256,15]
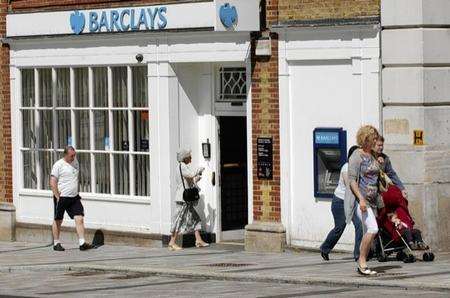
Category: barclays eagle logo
[228,15]
[77,22]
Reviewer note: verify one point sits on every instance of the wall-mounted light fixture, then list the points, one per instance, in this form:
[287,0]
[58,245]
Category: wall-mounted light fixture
[206,149]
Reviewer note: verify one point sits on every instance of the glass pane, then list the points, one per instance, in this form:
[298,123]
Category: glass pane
[81,87]
[140,89]
[142,175]
[121,171]
[121,131]
[64,128]
[45,129]
[28,87]
[29,170]
[101,124]
[29,132]
[82,129]
[102,181]
[62,87]
[141,137]
[100,86]
[119,78]
[45,87]
[84,160]
[46,160]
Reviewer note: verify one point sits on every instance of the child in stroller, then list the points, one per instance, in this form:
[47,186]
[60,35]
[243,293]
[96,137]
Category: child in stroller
[397,232]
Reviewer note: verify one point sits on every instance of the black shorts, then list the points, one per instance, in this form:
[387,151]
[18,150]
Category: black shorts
[72,205]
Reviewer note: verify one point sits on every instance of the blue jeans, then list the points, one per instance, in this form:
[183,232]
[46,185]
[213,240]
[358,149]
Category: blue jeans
[337,208]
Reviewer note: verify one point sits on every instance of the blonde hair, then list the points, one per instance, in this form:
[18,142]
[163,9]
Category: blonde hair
[365,133]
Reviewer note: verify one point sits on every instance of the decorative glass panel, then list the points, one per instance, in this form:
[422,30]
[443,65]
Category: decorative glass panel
[64,128]
[100,86]
[29,169]
[102,173]
[28,128]
[101,124]
[63,87]
[45,88]
[84,160]
[141,135]
[82,129]
[27,87]
[140,90]
[46,129]
[119,81]
[121,172]
[233,85]
[142,175]
[81,87]
[46,159]
[121,141]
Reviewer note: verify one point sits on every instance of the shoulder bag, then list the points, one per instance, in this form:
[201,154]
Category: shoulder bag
[190,195]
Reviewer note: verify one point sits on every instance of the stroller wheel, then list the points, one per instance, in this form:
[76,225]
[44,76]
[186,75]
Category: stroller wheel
[428,257]
[401,255]
[409,259]
[382,258]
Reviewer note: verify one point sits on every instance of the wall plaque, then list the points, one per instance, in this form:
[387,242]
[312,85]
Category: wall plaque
[265,158]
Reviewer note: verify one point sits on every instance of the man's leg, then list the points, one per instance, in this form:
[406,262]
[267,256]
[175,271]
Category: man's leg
[56,230]
[79,225]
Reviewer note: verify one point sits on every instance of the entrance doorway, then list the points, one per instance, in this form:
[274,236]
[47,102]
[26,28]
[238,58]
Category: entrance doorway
[233,169]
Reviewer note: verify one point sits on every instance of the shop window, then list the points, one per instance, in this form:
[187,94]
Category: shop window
[233,85]
[109,130]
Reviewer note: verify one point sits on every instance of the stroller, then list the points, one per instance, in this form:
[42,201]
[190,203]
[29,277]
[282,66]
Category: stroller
[397,233]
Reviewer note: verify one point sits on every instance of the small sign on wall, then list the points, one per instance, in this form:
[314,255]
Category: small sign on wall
[265,158]
[418,137]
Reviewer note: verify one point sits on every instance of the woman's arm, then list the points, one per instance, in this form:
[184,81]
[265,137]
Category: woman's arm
[354,166]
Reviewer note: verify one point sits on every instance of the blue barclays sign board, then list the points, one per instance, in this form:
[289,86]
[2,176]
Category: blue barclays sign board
[127,19]
[326,137]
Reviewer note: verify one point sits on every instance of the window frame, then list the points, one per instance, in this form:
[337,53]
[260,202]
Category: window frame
[73,108]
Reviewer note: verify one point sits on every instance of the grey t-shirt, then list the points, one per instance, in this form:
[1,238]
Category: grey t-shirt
[365,170]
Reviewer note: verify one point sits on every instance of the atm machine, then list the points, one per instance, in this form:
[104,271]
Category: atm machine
[330,153]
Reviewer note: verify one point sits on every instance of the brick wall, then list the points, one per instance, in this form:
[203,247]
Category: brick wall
[266,123]
[43,5]
[5,113]
[310,10]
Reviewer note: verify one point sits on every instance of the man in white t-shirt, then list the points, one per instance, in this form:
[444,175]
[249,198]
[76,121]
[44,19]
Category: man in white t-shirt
[64,184]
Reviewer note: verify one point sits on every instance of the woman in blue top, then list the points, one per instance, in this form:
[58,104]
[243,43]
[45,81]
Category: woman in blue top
[337,209]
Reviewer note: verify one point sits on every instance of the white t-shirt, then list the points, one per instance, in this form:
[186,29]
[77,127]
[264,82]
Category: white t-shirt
[340,189]
[67,176]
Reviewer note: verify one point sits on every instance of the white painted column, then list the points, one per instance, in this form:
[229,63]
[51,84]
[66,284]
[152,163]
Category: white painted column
[164,142]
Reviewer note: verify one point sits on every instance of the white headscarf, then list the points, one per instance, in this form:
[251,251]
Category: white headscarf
[182,154]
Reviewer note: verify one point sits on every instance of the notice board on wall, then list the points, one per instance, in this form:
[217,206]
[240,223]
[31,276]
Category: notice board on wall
[265,158]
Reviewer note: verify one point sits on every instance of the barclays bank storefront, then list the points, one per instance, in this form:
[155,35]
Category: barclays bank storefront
[128,87]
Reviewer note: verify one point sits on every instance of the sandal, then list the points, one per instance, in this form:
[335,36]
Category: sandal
[173,247]
[365,271]
[201,244]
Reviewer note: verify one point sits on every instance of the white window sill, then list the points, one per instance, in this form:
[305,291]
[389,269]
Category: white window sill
[90,197]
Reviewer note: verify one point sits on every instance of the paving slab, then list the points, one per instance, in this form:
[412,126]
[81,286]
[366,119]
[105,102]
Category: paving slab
[229,262]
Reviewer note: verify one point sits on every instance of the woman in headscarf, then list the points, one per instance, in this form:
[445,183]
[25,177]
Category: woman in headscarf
[186,219]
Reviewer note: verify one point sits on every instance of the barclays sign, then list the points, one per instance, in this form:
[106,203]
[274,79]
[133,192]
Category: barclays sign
[127,19]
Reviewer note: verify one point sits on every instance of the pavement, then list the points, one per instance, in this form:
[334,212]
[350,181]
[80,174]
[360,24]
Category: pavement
[226,262]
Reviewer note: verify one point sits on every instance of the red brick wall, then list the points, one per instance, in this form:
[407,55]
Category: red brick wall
[266,122]
[42,5]
[5,113]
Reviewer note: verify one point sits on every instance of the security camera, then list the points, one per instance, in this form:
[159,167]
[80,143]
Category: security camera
[139,58]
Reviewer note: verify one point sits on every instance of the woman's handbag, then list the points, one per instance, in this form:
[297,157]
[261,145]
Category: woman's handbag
[384,181]
[190,195]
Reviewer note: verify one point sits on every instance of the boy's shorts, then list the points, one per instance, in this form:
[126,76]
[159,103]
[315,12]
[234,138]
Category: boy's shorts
[71,205]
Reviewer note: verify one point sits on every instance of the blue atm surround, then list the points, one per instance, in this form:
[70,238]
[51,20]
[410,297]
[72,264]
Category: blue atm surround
[331,140]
